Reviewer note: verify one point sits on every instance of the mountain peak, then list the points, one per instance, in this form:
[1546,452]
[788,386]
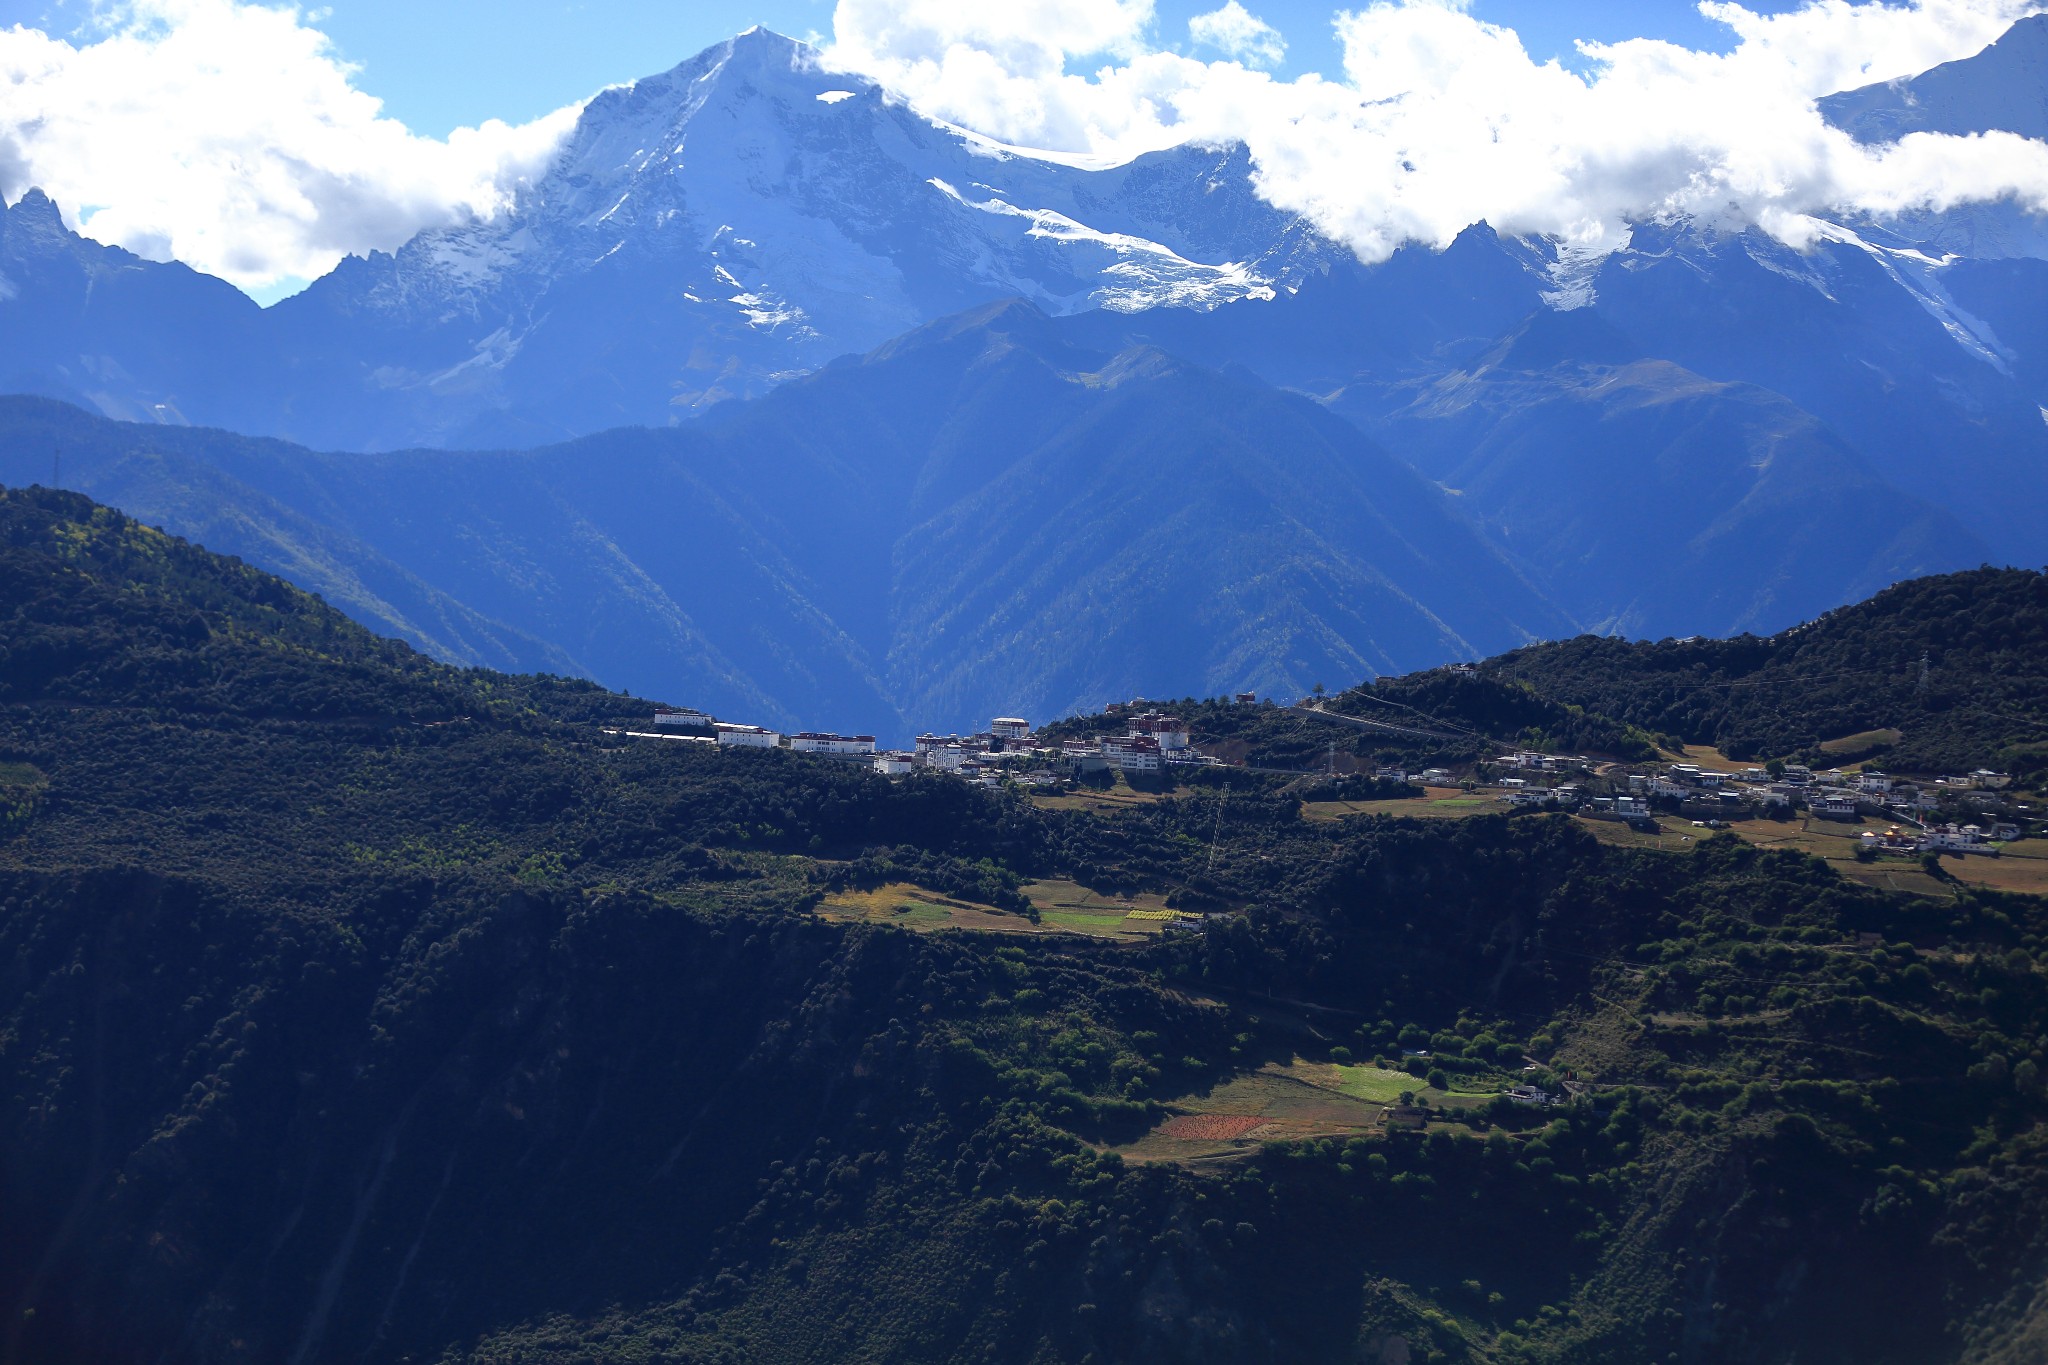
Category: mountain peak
[36,209]
[2003,88]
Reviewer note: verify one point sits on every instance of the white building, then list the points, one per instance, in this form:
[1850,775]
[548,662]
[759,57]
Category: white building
[1133,753]
[747,736]
[1873,782]
[895,763]
[1083,756]
[820,742]
[1837,805]
[1985,778]
[1437,777]
[947,758]
[680,718]
[1010,727]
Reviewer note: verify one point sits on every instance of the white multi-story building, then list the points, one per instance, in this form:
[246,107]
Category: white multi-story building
[1133,753]
[895,764]
[820,742]
[1010,727]
[680,718]
[747,736]
[1873,782]
[947,758]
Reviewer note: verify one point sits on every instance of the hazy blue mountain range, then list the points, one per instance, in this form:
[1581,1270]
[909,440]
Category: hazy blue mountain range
[1643,495]
[978,517]
[1110,490]
[988,515]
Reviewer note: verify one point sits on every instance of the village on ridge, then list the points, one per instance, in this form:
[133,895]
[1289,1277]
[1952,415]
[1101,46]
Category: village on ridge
[1157,745]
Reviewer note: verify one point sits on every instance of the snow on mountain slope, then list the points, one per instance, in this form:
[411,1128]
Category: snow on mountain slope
[749,215]
[2004,88]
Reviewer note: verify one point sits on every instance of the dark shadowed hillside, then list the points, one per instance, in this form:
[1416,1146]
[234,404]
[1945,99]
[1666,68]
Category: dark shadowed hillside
[1983,636]
[357,1008]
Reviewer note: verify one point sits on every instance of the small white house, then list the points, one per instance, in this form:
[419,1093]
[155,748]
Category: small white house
[895,764]
[1437,777]
[1873,782]
[747,736]
[680,718]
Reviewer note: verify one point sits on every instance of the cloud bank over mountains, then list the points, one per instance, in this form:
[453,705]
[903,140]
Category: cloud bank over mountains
[231,136]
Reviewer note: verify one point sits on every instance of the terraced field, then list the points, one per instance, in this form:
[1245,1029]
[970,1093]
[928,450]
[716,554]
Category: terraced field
[1063,908]
[1283,1102]
[1434,803]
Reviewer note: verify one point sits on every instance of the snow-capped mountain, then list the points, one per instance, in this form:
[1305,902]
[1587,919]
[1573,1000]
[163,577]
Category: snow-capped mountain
[747,216]
[2002,88]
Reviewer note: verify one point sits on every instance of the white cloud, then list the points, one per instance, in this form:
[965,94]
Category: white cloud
[1236,32]
[231,137]
[1441,120]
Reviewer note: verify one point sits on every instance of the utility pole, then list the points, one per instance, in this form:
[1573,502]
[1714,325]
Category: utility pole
[1216,835]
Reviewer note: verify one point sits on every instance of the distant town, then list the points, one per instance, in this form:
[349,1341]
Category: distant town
[1156,744]
[1008,751]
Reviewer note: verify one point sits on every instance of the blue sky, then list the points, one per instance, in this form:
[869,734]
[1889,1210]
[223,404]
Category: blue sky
[442,64]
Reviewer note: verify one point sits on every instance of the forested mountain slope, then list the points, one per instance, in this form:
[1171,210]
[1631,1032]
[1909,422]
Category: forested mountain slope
[357,1008]
[1983,695]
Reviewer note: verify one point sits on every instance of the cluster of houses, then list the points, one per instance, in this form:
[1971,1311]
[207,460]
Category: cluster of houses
[970,756]
[1714,796]
[1151,741]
